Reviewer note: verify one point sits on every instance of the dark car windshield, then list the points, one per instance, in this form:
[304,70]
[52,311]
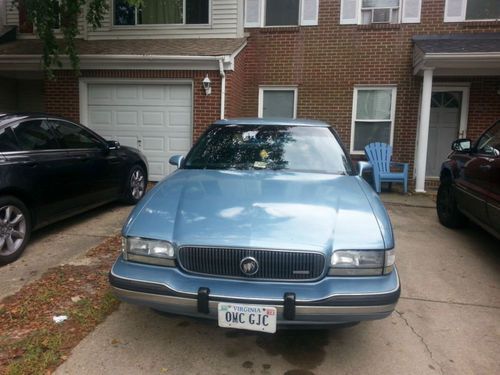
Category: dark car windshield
[246,147]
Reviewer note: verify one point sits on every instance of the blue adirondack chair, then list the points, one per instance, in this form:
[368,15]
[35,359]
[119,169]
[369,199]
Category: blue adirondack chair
[379,155]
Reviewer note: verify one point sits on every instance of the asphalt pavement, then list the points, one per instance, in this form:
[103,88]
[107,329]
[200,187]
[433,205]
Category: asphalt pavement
[446,322]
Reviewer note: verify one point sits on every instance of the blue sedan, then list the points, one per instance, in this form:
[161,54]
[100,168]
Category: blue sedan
[265,223]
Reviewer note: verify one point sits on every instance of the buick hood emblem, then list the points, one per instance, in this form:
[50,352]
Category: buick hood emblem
[249,266]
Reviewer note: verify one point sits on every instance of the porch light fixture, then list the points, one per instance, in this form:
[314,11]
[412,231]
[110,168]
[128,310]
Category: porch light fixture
[207,85]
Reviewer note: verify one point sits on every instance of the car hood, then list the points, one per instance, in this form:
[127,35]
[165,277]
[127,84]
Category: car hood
[262,209]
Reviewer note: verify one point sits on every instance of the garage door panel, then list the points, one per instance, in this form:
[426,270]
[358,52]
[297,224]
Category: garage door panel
[156,118]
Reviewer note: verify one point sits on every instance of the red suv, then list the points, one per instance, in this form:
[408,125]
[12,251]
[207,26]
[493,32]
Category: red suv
[470,183]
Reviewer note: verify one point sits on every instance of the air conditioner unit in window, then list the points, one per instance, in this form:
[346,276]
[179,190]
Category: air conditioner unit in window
[379,15]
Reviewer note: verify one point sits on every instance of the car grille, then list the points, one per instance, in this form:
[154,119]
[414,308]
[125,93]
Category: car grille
[273,264]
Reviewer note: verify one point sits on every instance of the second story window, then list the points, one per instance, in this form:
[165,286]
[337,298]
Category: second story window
[367,12]
[379,11]
[269,13]
[472,10]
[162,12]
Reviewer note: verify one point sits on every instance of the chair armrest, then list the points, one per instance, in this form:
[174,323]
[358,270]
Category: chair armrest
[401,165]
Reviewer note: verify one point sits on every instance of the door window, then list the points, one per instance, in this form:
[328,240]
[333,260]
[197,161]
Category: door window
[35,135]
[489,143]
[73,136]
[8,140]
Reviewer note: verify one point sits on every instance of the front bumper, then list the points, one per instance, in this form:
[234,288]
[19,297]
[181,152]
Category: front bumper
[332,300]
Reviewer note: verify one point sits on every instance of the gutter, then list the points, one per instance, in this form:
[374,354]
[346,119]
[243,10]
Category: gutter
[222,88]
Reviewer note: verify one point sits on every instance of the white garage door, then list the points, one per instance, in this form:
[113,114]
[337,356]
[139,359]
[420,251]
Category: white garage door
[157,119]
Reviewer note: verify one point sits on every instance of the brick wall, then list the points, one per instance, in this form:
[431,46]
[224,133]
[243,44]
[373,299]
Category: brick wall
[62,94]
[328,60]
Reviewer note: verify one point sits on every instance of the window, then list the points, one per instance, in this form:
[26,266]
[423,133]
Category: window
[379,11]
[489,143]
[73,136]
[8,140]
[35,135]
[162,12]
[260,13]
[472,10]
[278,102]
[269,147]
[367,12]
[373,116]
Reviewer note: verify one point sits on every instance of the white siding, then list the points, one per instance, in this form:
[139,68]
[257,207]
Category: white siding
[225,23]
[12,14]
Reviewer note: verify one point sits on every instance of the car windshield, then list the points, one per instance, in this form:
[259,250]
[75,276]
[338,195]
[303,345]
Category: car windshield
[261,147]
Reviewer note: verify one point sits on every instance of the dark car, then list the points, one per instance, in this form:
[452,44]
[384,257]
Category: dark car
[470,183]
[52,168]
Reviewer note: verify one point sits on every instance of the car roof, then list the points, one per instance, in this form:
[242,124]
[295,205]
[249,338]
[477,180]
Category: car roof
[7,118]
[272,121]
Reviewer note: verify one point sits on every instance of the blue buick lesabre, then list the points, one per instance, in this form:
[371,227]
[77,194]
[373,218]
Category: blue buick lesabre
[265,223]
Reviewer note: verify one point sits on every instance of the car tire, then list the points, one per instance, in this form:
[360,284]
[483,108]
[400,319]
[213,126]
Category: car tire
[15,228]
[448,213]
[136,185]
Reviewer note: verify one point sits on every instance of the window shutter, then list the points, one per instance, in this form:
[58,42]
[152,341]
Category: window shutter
[454,10]
[349,12]
[411,11]
[309,13]
[252,13]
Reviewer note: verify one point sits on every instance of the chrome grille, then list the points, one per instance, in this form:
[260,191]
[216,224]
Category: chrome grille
[273,264]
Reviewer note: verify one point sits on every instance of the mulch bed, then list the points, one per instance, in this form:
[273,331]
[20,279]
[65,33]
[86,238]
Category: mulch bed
[30,341]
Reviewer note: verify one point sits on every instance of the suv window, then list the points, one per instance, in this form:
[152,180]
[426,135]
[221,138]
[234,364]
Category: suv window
[73,136]
[8,140]
[489,143]
[35,135]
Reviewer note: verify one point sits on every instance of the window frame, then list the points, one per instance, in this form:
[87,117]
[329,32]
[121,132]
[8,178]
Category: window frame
[392,119]
[262,16]
[164,25]
[397,22]
[262,89]
[463,15]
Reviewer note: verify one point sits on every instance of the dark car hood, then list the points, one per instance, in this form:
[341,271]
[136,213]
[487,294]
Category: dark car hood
[262,209]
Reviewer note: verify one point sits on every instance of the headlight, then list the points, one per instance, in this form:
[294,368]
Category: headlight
[148,251]
[361,262]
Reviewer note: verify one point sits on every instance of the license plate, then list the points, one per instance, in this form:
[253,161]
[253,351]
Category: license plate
[249,317]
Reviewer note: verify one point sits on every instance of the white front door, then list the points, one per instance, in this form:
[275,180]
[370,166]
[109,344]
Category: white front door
[155,118]
[443,129]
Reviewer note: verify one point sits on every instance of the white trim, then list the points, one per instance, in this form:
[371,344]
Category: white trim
[394,90]
[160,25]
[263,88]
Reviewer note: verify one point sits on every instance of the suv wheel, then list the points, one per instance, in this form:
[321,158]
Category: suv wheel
[136,185]
[447,209]
[15,228]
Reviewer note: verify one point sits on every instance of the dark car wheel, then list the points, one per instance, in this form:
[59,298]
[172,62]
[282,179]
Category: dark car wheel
[15,228]
[136,185]
[447,208]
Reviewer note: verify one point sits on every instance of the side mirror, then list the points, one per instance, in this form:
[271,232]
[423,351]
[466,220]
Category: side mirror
[363,166]
[462,145]
[176,160]
[113,145]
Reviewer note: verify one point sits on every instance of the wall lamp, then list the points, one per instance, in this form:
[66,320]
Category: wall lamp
[207,85]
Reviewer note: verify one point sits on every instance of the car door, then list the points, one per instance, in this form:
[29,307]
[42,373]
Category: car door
[489,144]
[99,166]
[45,170]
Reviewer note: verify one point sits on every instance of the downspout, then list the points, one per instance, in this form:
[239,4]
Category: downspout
[222,88]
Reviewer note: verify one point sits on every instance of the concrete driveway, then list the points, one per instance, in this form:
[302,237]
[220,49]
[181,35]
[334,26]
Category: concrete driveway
[447,322]
[61,243]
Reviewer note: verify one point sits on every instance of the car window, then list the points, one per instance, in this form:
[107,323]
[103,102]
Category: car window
[294,148]
[8,140]
[35,135]
[73,136]
[489,143]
